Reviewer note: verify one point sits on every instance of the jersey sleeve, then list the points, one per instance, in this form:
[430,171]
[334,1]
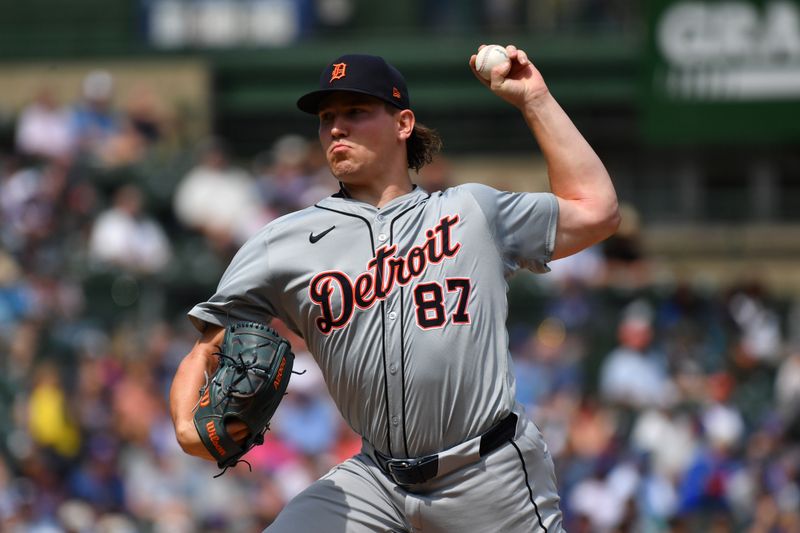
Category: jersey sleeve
[244,291]
[523,225]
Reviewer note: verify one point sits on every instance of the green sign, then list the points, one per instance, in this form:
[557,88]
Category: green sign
[722,71]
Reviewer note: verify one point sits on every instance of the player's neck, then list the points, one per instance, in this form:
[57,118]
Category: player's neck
[379,196]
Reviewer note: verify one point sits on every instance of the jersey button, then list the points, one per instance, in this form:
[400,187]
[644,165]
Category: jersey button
[382,237]
[379,218]
[392,315]
[393,369]
[395,420]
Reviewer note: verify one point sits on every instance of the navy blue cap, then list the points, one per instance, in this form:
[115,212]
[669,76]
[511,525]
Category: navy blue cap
[359,73]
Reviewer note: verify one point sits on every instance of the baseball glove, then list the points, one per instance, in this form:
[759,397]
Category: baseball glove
[255,364]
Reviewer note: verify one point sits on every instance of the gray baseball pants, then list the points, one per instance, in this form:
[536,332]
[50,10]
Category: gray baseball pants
[513,489]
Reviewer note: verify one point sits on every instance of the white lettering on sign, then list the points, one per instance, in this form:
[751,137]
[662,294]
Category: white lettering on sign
[731,50]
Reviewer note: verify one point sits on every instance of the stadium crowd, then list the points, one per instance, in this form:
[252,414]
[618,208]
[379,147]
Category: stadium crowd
[667,405]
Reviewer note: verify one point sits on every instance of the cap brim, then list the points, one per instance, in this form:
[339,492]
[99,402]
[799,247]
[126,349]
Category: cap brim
[309,103]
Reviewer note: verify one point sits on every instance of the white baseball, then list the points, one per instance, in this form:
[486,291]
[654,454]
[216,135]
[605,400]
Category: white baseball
[489,57]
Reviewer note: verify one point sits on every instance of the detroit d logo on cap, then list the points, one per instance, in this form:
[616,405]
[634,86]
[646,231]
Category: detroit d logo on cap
[338,71]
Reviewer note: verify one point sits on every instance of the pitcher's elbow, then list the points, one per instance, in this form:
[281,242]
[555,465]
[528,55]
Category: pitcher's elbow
[613,220]
[187,438]
[606,221]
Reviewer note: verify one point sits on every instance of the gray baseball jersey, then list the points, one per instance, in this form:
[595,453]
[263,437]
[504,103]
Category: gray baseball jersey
[403,307]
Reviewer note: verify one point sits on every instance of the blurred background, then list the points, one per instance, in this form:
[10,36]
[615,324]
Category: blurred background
[141,142]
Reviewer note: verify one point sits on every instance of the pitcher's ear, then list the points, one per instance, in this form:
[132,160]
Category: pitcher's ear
[405,123]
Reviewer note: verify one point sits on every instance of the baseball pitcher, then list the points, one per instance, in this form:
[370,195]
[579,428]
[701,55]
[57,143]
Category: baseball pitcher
[400,294]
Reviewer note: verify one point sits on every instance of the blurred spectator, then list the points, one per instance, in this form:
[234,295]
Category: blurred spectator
[292,175]
[787,393]
[657,500]
[592,428]
[136,403]
[30,209]
[126,238]
[126,147]
[147,113]
[723,425]
[705,487]
[548,360]
[50,422]
[94,122]
[669,439]
[143,122]
[21,348]
[604,499]
[634,374]
[709,482]
[19,189]
[218,199]
[283,175]
[754,348]
[94,378]
[14,297]
[43,128]
[758,325]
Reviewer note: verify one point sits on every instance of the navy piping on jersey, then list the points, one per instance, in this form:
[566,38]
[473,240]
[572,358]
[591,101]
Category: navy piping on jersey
[385,373]
[403,364]
[402,324]
[383,326]
[527,484]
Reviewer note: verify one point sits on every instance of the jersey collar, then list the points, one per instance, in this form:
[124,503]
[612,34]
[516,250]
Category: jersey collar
[342,201]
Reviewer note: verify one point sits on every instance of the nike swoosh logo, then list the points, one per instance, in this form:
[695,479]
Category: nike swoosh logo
[314,238]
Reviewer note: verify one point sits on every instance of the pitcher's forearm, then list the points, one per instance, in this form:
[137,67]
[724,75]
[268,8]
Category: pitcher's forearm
[185,391]
[184,395]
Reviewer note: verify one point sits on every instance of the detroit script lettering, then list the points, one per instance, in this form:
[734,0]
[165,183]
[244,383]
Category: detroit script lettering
[383,272]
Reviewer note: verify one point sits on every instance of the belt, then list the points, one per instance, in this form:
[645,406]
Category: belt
[422,469]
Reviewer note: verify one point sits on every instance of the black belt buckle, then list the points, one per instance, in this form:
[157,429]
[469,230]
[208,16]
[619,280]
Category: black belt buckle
[422,469]
[413,471]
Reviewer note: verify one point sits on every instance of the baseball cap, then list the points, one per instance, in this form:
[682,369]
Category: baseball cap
[359,73]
